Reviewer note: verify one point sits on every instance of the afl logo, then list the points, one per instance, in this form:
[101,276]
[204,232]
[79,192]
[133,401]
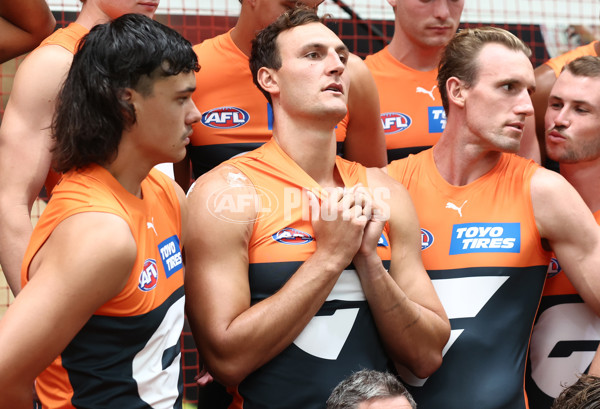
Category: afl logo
[225,118]
[149,275]
[395,122]
[553,268]
[292,236]
[426,239]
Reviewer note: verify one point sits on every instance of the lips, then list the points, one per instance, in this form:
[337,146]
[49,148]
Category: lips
[517,125]
[335,88]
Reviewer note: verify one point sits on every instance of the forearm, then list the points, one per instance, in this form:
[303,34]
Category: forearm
[15,232]
[264,330]
[413,335]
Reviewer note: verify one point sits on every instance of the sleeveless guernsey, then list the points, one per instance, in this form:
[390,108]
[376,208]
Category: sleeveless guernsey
[128,353]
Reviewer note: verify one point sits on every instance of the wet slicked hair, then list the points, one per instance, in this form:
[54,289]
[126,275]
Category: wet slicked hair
[131,52]
[264,47]
[459,58]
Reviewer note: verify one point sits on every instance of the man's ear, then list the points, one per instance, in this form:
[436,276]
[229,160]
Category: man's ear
[267,79]
[456,89]
[392,3]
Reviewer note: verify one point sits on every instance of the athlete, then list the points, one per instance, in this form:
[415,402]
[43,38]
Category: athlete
[102,309]
[23,25]
[236,118]
[25,140]
[369,389]
[487,217]
[405,73]
[545,77]
[567,331]
[309,298]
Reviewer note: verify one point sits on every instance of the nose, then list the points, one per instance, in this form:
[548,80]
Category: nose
[441,10]
[561,118]
[335,65]
[194,115]
[525,106]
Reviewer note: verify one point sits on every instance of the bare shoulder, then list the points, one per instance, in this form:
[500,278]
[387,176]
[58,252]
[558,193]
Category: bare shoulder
[92,242]
[38,80]
[359,72]
[556,204]
[223,196]
[544,79]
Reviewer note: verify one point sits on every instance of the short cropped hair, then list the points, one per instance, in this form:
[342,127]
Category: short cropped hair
[131,51]
[264,47]
[364,386]
[583,394]
[459,58]
[586,66]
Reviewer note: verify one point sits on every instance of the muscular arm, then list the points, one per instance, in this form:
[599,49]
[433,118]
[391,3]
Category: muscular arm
[88,258]
[563,218]
[365,139]
[234,337]
[23,24]
[409,315]
[25,157]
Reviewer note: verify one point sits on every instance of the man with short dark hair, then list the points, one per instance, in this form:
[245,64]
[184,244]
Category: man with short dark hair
[303,267]
[567,330]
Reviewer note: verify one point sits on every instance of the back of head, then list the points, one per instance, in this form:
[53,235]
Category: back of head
[131,52]
[367,385]
[264,46]
[459,58]
[583,394]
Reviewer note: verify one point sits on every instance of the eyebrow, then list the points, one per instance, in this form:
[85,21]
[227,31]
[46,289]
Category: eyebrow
[320,46]
[575,101]
[186,90]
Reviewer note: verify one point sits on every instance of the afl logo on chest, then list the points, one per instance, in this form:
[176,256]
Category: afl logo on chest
[225,118]
[292,236]
[149,275]
[426,239]
[395,122]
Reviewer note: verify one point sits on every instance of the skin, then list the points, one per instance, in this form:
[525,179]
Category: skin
[572,121]
[25,139]
[364,139]
[534,146]
[309,98]
[422,29]
[485,120]
[23,25]
[43,319]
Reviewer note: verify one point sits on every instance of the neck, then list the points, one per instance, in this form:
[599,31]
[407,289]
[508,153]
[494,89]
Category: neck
[460,159]
[130,167]
[244,31]
[311,147]
[413,56]
[91,16]
[581,176]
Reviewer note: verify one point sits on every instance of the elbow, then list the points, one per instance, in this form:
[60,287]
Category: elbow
[228,372]
[424,366]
